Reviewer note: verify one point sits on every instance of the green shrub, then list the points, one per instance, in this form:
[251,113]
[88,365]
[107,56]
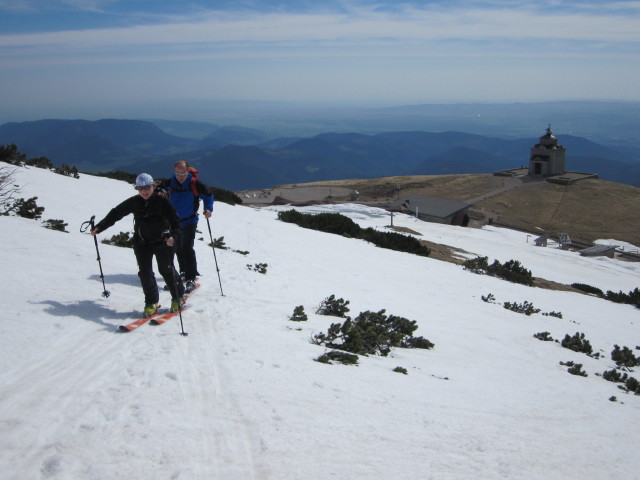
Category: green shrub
[614,375]
[633,385]
[333,307]
[122,239]
[225,196]
[401,370]
[258,267]
[119,175]
[11,155]
[526,308]
[577,343]
[489,298]
[24,208]
[67,171]
[372,333]
[341,225]
[544,336]
[395,241]
[588,289]
[218,243]
[511,271]
[417,342]
[553,314]
[478,265]
[324,222]
[624,357]
[574,368]
[298,314]
[40,162]
[58,225]
[632,298]
[338,357]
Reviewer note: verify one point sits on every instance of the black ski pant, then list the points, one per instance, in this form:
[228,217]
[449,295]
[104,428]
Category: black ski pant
[164,258]
[186,253]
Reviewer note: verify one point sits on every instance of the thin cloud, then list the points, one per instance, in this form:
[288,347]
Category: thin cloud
[410,25]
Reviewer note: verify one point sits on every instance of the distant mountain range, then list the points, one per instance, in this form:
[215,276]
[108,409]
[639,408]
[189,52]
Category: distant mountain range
[237,158]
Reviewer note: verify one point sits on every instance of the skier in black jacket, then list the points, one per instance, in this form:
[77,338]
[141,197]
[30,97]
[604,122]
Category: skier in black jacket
[156,227]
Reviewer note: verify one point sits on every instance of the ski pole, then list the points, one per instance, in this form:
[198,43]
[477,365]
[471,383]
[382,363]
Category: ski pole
[175,295]
[214,256]
[83,228]
[165,235]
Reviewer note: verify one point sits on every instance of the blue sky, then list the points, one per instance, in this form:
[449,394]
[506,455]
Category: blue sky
[91,53]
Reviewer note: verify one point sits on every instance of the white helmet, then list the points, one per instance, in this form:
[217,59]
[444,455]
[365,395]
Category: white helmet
[144,180]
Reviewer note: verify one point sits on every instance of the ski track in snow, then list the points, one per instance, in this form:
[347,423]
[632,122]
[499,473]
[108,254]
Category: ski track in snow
[95,405]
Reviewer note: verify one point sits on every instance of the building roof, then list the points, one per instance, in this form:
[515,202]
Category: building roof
[431,206]
[597,250]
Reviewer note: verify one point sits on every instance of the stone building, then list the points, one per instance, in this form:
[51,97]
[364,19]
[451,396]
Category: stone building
[547,157]
[429,209]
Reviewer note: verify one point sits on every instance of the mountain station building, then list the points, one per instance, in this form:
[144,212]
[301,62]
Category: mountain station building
[430,209]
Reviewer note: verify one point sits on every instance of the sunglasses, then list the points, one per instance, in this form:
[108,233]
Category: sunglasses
[181,174]
[145,187]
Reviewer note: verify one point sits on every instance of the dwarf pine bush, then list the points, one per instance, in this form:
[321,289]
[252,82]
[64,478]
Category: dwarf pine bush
[24,208]
[332,306]
[511,271]
[298,314]
[574,368]
[488,298]
[544,336]
[615,376]
[372,333]
[588,289]
[67,171]
[258,267]
[218,243]
[338,357]
[632,298]
[122,239]
[478,265]
[341,225]
[525,308]
[577,343]
[624,357]
[58,225]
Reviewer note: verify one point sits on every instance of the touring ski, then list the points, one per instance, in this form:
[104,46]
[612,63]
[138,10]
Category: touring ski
[141,321]
[159,320]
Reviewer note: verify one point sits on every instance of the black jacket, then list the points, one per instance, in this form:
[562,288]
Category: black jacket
[151,218]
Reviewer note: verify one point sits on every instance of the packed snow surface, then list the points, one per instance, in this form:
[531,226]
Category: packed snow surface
[241,396]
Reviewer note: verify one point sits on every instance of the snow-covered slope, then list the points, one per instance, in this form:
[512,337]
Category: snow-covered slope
[241,397]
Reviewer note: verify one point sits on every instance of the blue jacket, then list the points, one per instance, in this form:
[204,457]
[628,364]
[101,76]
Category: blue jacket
[186,202]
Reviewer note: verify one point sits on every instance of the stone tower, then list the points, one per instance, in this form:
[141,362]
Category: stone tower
[547,157]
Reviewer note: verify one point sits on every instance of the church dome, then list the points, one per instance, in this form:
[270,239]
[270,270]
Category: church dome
[549,139]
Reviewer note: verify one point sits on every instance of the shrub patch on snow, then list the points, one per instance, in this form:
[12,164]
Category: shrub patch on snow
[332,306]
[342,225]
[372,333]
[512,270]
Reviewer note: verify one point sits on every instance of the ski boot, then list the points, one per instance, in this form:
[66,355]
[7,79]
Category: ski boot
[150,309]
[176,304]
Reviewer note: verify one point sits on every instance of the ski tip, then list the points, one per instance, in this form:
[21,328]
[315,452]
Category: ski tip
[123,328]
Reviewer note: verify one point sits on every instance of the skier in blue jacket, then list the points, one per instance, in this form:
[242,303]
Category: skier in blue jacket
[185,192]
